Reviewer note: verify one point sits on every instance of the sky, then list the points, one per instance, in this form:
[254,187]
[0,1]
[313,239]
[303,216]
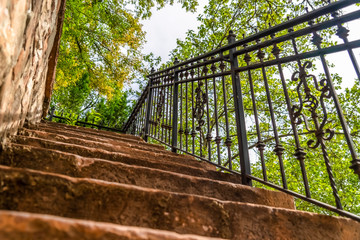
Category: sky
[166,25]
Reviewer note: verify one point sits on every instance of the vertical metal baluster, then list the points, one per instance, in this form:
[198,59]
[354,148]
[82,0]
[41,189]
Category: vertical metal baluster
[187,130]
[181,130]
[175,110]
[208,136]
[158,120]
[218,138]
[155,97]
[144,117]
[52,110]
[171,92]
[343,33]
[153,116]
[260,145]
[167,98]
[158,111]
[240,117]
[193,133]
[317,40]
[299,151]
[279,149]
[77,120]
[86,120]
[200,83]
[142,127]
[156,107]
[153,106]
[163,110]
[137,124]
[148,114]
[132,127]
[168,127]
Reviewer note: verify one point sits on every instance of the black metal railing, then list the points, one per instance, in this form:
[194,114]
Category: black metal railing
[82,120]
[261,107]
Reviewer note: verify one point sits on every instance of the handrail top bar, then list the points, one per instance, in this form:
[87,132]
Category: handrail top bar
[280,27]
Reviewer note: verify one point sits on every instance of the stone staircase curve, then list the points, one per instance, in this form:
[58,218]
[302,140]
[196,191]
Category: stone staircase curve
[66,182]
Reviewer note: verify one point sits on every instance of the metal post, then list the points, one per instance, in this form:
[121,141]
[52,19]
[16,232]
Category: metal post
[148,109]
[52,110]
[175,109]
[240,116]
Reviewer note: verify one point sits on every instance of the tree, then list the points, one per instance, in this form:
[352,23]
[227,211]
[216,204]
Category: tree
[101,50]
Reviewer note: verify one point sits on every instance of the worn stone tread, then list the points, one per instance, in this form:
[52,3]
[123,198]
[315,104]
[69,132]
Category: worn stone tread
[58,134]
[88,151]
[13,151]
[82,131]
[121,148]
[34,191]
[141,176]
[143,146]
[30,226]
[90,130]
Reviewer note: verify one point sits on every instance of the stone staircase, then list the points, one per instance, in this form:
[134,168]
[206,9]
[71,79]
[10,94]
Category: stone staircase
[65,182]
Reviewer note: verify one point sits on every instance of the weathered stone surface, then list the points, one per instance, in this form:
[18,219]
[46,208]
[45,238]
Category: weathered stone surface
[99,139]
[91,130]
[75,166]
[104,154]
[29,226]
[136,149]
[131,183]
[32,191]
[18,151]
[28,30]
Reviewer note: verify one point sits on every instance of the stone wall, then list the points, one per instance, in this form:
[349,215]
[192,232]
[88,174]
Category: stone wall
[29,39]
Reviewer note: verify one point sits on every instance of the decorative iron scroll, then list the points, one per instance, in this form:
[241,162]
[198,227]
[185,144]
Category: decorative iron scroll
[199,109]
[312,103]
[160,106]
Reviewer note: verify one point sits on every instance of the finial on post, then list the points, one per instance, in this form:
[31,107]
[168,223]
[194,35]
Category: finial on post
[176,61]
[231,37]
[152,70]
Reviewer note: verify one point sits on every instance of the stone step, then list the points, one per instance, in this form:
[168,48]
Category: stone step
[85,133]
[34,191]
[90,130]
[12,152]
[86,151]
[125,147]
[144,146]
[142,176]
[23,225]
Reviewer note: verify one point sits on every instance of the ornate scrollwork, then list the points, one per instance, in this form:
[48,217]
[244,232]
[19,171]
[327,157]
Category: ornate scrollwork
[160,106]
[312,104]
[199,109]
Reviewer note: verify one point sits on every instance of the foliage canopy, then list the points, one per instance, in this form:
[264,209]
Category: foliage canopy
[101,50]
